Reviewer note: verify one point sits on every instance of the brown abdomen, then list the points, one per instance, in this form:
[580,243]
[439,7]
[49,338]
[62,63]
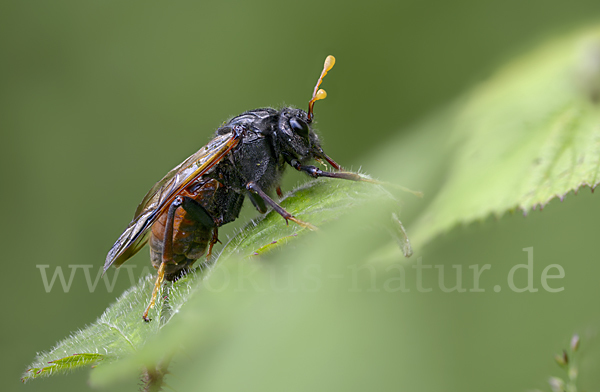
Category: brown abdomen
[190,239]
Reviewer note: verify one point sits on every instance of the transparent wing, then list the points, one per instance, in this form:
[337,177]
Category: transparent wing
[158,199]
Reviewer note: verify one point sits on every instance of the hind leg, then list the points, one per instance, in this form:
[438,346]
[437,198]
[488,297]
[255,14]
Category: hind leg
[196,212]
[167,254]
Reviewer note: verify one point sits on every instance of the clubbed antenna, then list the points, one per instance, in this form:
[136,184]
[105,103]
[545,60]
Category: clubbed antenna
[320,93]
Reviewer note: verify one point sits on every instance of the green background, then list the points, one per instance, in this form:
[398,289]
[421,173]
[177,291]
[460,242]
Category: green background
[98,100]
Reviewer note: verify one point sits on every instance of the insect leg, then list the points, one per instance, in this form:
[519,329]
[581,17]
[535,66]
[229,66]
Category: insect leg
[315,172]
[254,188]
[213,241]
[197,212]
[167,255]
[159,279]
[258,202]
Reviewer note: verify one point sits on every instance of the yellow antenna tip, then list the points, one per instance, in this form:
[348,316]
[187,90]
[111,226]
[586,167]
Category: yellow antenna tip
[329,62]
[321,94]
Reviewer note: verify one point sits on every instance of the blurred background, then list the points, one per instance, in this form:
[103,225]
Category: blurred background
[98,100]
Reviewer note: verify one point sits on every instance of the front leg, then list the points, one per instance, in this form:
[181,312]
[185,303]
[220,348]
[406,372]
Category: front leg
[255,189]
[315,172]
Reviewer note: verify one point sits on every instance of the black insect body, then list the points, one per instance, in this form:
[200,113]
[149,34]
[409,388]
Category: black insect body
[181,214]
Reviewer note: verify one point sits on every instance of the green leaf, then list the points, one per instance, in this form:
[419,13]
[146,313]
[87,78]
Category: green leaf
[63,365]
[228,297]
[120,331]
[117,332]
[529,134]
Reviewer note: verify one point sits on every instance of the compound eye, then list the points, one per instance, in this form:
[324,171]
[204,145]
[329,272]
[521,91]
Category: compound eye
[299,127]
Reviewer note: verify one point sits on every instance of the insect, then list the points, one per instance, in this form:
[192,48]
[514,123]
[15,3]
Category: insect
[181,214]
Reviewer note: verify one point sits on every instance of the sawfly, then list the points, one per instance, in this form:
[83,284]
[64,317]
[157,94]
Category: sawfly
[180,216]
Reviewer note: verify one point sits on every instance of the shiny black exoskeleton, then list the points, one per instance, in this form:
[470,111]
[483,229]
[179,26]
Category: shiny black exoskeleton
[181,214]
[269,141]
[272,139]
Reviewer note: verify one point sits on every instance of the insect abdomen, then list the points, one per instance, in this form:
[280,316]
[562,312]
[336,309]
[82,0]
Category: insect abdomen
[190,237]
[189,242]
